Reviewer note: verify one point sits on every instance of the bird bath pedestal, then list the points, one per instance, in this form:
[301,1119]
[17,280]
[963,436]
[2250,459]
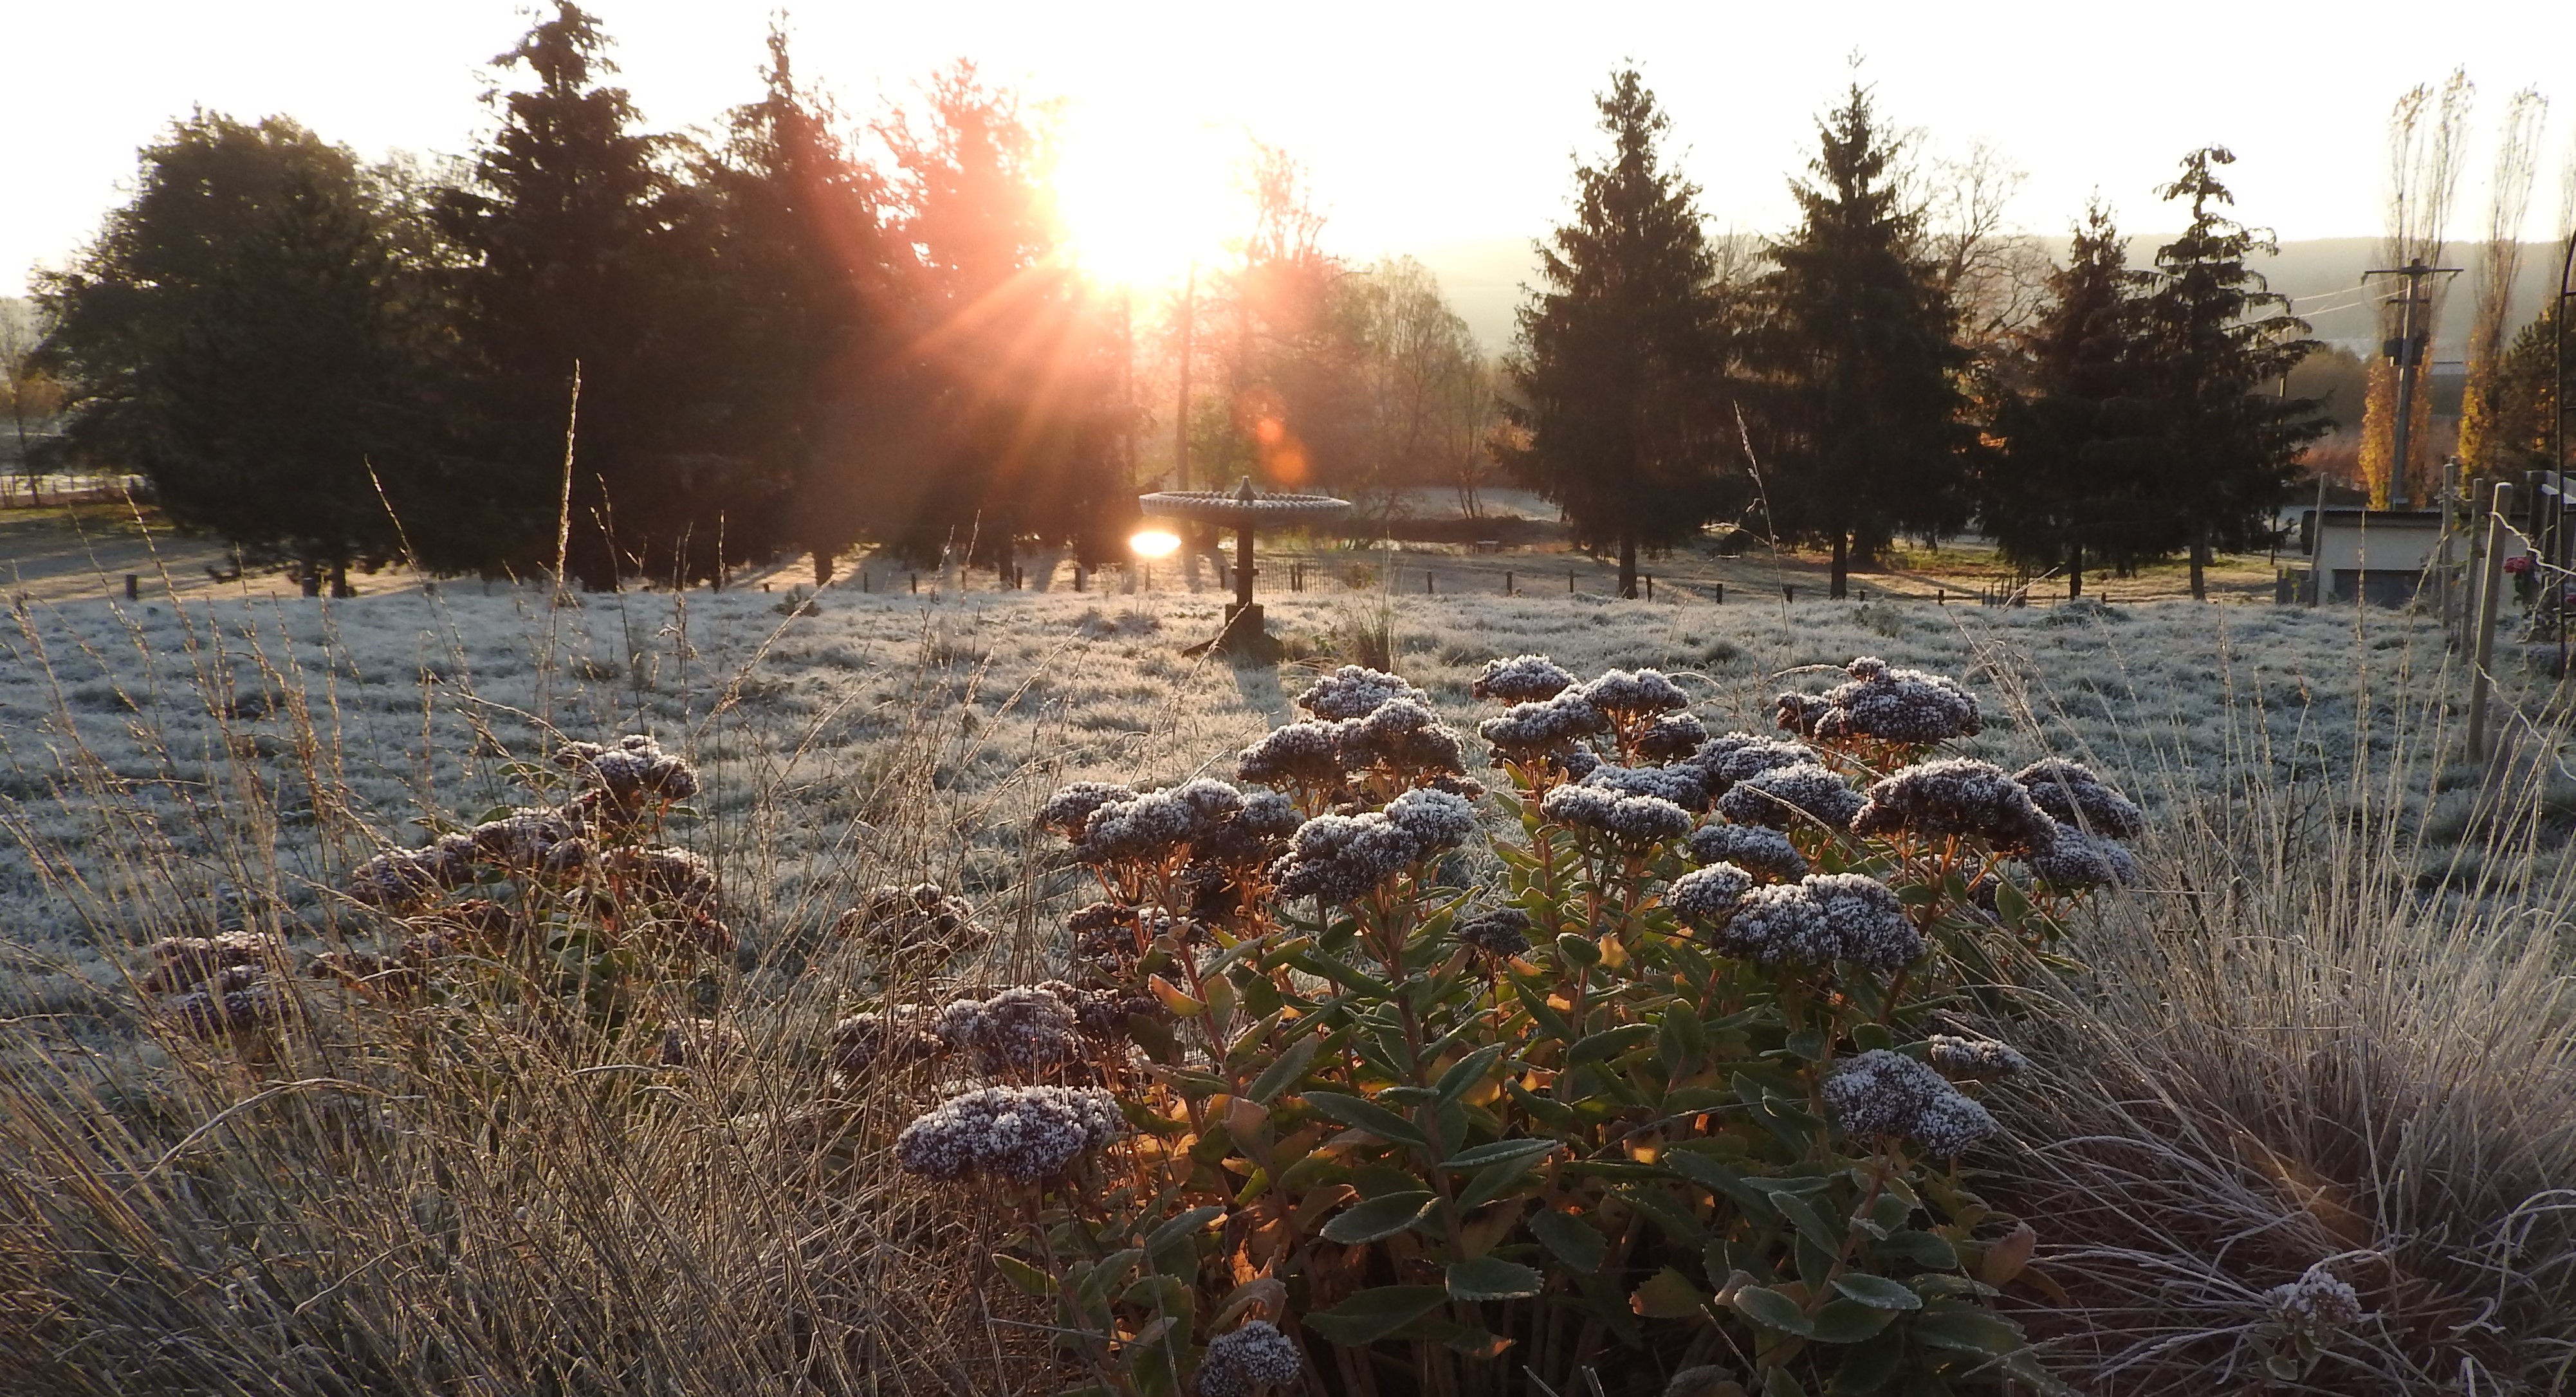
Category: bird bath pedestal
[1246,511]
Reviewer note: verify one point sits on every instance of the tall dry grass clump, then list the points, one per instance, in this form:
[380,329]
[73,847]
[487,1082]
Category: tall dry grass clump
[2318,1065]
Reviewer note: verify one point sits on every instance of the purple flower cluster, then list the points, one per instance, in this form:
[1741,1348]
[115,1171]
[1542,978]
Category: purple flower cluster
[402,877]
[1022,1133]
[663,873]
[1297,756]
[1817,920]
[1709,894]
[1739,756]
[1684,786]
[1671,737]
[1023,1029]
[224,983]
[1904,706]
[891,919]
[1404,739]
[1065,812]
[1785,797]
[1881,1093]
[1973,1059]
[1250,1361]
[633,774]
[1500,932]
[1956,796]
[1635,822]
[1340,858]
[1528,731]
[1630,696]
[1763,852]
[1521,679]
[2073,794]
[2074,860]
[2317,1306]
[1354,691]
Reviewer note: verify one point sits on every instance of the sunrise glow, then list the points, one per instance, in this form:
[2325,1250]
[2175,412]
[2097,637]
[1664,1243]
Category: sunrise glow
[1143,196]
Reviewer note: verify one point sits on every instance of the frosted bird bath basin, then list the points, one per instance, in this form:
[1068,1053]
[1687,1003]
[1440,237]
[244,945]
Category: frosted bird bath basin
[1247,511]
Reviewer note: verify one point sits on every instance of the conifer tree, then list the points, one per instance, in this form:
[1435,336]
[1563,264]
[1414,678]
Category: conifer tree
[246,335]
[1621,355]
[559,229]
[2214,341]
[1861,343]
[2072,482]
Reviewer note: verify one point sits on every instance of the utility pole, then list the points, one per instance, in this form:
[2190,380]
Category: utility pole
[2407,352]
[1181,416]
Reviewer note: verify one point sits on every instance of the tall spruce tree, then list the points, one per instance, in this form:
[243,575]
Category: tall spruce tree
[247,336]
[1621,358]
[566,268]
[2214,340]
[2073,481]
[1867,415]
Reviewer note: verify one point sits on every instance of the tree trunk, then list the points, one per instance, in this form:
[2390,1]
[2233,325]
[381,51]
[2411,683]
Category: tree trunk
[824,560]
[2074,570]
[1842,566]
[1628,567]
[340,588]
[2199,565]
[308,576]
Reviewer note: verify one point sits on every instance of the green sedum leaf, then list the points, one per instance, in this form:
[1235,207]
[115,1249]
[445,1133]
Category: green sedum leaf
[1571,1238]
[1373,1314]
[1773,1310]
[1878,1291]
[1379,1217]
[1490,1278]
[1360,1113]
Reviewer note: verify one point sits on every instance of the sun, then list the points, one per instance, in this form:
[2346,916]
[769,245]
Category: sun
[1142,196]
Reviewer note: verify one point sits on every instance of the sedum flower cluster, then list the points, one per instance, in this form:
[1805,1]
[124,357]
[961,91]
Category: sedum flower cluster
[1371,736]
[1016,1133]
[1249,1361]
[1904,707]
[1885,1093]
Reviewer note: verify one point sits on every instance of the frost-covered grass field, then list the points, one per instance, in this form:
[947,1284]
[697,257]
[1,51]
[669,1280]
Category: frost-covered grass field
[2336,1027]
[827,736]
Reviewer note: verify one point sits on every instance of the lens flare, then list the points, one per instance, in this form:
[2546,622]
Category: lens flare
[1154,543]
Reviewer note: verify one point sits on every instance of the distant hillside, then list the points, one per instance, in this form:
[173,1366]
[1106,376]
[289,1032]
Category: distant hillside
[1484,280]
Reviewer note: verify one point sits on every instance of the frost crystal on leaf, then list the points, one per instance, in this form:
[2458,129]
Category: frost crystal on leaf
[2072,794]
[1355,692]
[1765,853]
[1521,679]
[1956,796]
[1881,1092]
[1020,1133]
[1246,1362]
[1631,820]
[1788,797]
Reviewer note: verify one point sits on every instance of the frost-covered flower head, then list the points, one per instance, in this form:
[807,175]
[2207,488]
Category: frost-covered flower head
[897,1037]
[1763,852]
[181,961]
[891,919]
[1065,812]
[1249,1361]
[1354,691]
[1405,739]
[399,877]
[1881,1092]
[1799,713]
[2074,860]
[1342,857]
[1527,731]
[1956,796]
[1709,895]
[1973,1059]
[634,772]
[1684,786]
[1250,836]
[1788,797]
[1113,931]
[1522,679]
[1633,821]
[239,1000]
[1305,755]
[663,873]
[1670,737]
[1024,1029]
[1897,705]
[1635,693]
[1022,1133]
[1154,826]
[1738,756]
[1817,920]
[2073,794]
[1500,932]
[527,836]
[697,1042]
[2318,1305]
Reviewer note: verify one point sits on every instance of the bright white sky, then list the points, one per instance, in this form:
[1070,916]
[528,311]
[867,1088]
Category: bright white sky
[1422,124]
